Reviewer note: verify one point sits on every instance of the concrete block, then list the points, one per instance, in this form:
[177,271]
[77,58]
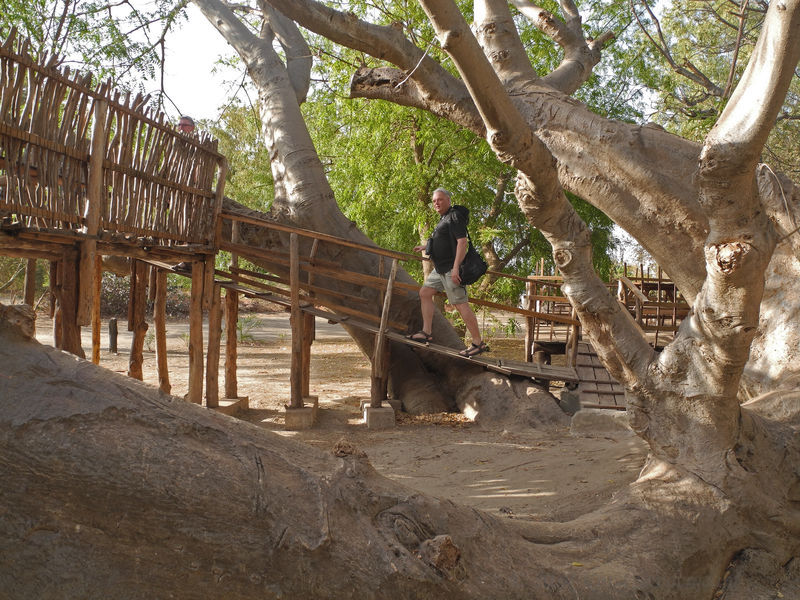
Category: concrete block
[379,418]
[233,406]
[299,418]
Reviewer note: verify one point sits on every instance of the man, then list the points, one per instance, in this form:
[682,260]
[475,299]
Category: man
[447,248]
[186,124]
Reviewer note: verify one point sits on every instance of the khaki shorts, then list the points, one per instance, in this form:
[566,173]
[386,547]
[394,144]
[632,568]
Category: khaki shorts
[456,294]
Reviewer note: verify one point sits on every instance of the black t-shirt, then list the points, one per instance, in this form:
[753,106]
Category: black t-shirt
[452,226]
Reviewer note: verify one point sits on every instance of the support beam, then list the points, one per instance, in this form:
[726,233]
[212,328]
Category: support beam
[231,350]
[160,323]
[95,198]
[212,356]
[380,359]
[141,275]
[56,269]
[97,279]
[195,393]
[309,332]
[70,329]
[30,282]
[296,375]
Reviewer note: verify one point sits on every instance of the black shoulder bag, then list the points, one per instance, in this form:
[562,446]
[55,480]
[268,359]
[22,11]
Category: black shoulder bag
[473,266]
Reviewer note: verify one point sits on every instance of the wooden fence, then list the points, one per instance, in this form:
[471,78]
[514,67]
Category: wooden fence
[77,157]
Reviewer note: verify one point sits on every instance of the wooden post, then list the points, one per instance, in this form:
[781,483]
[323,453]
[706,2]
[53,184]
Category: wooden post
[98,278]
[380,358]
[309,331]
[70,329]
[56,269]
[112,336]
[214,339]
[30,282]
[296,374]
[208,280]
[529,325]
[231,350]
[231,329]
[160,323]
[572,347]
[92,214]
[138,318]
[196,335]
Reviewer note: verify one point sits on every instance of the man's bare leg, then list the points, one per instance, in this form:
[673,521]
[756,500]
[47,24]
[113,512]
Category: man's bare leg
[426,305]
[470,320]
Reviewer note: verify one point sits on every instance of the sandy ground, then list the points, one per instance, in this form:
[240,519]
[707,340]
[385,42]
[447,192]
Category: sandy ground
[532,474]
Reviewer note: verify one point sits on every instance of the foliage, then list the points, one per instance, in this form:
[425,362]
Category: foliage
[114,293]
[249,179]
[703,38]
[244,327]
[121,42]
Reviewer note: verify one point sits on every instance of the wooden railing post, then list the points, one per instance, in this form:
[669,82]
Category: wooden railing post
[380,362]
[214,340]
[160,324]
[138,320]
[30,282]
[231,350]
[296,375]
[195,393]
[529,322]
[92,214]
[231,322]
[98,279]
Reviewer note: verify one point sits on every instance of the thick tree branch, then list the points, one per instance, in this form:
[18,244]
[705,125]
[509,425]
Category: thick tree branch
[580,56]
[688,70]
[749,116]
[497,34]
[295,47]
[384,43]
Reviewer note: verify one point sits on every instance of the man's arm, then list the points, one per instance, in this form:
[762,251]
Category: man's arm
[461,252]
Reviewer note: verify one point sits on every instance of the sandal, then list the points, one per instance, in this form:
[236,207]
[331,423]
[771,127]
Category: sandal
[420,336]
[474,350]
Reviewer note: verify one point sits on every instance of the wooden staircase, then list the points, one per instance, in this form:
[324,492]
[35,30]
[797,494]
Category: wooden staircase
[596,387]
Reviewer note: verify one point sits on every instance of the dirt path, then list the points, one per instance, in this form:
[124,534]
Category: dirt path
[537,475]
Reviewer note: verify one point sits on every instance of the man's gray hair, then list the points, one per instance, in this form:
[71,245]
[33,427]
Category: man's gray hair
[444,191]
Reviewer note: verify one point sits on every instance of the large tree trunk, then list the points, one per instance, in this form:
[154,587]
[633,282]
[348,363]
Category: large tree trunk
[303,197]
[112,489]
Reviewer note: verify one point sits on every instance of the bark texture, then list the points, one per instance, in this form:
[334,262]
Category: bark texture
[114,489]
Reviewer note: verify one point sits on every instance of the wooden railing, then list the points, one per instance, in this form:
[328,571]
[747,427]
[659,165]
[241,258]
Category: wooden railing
[300,281]
[73,157]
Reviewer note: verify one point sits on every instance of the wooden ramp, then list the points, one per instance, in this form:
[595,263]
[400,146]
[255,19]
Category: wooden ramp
[596,387]
[499,365]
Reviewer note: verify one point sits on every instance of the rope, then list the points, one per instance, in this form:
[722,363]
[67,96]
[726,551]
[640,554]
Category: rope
[424,54]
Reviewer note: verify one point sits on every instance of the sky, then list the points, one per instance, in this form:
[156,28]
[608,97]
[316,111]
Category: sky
[189,78]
